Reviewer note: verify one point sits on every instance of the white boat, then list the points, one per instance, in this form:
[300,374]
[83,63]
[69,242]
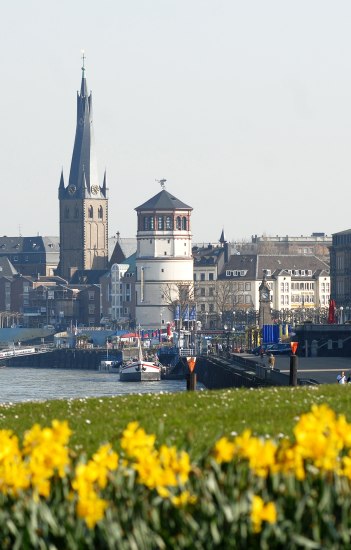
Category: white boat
[110,366]
[139,370]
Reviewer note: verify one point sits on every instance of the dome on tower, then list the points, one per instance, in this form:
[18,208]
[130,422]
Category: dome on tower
[163,201]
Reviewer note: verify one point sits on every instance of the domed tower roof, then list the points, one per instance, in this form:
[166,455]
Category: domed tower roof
[163,201]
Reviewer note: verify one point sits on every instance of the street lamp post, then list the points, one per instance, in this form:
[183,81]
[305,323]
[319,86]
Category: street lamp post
[341,319]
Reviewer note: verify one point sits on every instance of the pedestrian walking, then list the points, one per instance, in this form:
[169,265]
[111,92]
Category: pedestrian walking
[341,378]
[271,361]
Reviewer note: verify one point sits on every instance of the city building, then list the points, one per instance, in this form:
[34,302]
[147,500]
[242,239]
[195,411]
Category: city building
[340,270]
[31,256]
[316,244]
[118,295]
[164,262]
[83,202]
[299,285]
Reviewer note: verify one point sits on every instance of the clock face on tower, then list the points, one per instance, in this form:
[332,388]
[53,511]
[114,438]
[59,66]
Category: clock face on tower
[94,189]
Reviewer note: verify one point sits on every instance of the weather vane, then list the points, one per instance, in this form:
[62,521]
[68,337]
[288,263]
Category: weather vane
[162,183]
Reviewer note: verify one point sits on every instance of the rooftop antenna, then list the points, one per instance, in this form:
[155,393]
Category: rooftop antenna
[162,183]
[19,231]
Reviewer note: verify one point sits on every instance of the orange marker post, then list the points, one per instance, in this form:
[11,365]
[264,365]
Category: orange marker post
[293,364]
[191,381]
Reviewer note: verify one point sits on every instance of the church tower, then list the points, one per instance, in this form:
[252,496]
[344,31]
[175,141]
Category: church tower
[164,261]
[83,202]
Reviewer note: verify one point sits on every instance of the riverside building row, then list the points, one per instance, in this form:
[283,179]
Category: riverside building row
[81,277]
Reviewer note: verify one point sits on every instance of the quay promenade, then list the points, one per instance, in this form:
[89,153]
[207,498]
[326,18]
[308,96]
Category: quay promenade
[322,369]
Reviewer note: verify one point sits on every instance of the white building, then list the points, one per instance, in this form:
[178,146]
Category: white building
[295,281]
[164,260]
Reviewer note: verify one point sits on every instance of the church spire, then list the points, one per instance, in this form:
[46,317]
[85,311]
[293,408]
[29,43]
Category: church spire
[84,146]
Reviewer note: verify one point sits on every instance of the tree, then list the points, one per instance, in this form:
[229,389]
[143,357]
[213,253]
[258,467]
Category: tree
[180,293]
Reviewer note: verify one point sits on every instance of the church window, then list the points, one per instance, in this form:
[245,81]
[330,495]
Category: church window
[169,224]
[160,223]
[66,213]
[100,213]
[178,222]
[90,212]
[184,224]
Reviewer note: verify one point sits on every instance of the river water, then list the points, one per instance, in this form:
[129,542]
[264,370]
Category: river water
[19,384]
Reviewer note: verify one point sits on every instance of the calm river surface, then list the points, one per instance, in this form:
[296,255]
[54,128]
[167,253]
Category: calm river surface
[31,384]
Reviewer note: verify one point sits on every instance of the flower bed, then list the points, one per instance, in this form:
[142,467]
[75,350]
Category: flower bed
[248,492]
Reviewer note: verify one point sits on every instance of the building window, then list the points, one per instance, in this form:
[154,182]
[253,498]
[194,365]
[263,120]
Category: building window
[210,277]
[211,308]
[211,291]
[202,292]
[152,223]
[184,223]
[90,212]
[202,308]
[202,276]
[169,224]
[100,213]
[160,223]
[178,222]
[91,295]
[91,309]
[146,223]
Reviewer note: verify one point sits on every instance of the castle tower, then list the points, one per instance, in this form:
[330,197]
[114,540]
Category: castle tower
[164,262]
[83,203]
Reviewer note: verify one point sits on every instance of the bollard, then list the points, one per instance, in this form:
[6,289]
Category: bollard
[293,370]
[192,382]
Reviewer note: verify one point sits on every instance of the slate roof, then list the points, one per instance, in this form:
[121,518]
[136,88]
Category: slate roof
[255,264]
[243,263]
[289,262]
[206,256]
[87,277]
[6,268]
[121,248]
[31,247]
[163,201]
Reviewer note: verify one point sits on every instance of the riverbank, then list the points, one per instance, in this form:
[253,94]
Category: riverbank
[185,419]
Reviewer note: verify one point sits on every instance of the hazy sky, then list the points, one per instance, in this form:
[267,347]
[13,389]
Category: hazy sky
[244,106]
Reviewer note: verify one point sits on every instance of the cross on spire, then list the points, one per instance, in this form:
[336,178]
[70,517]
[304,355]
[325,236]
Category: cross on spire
[83,61]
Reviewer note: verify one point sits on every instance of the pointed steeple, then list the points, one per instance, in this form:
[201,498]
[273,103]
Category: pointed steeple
[222,238]
[84,146]
[104,187]
[61,186]
[62,182]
